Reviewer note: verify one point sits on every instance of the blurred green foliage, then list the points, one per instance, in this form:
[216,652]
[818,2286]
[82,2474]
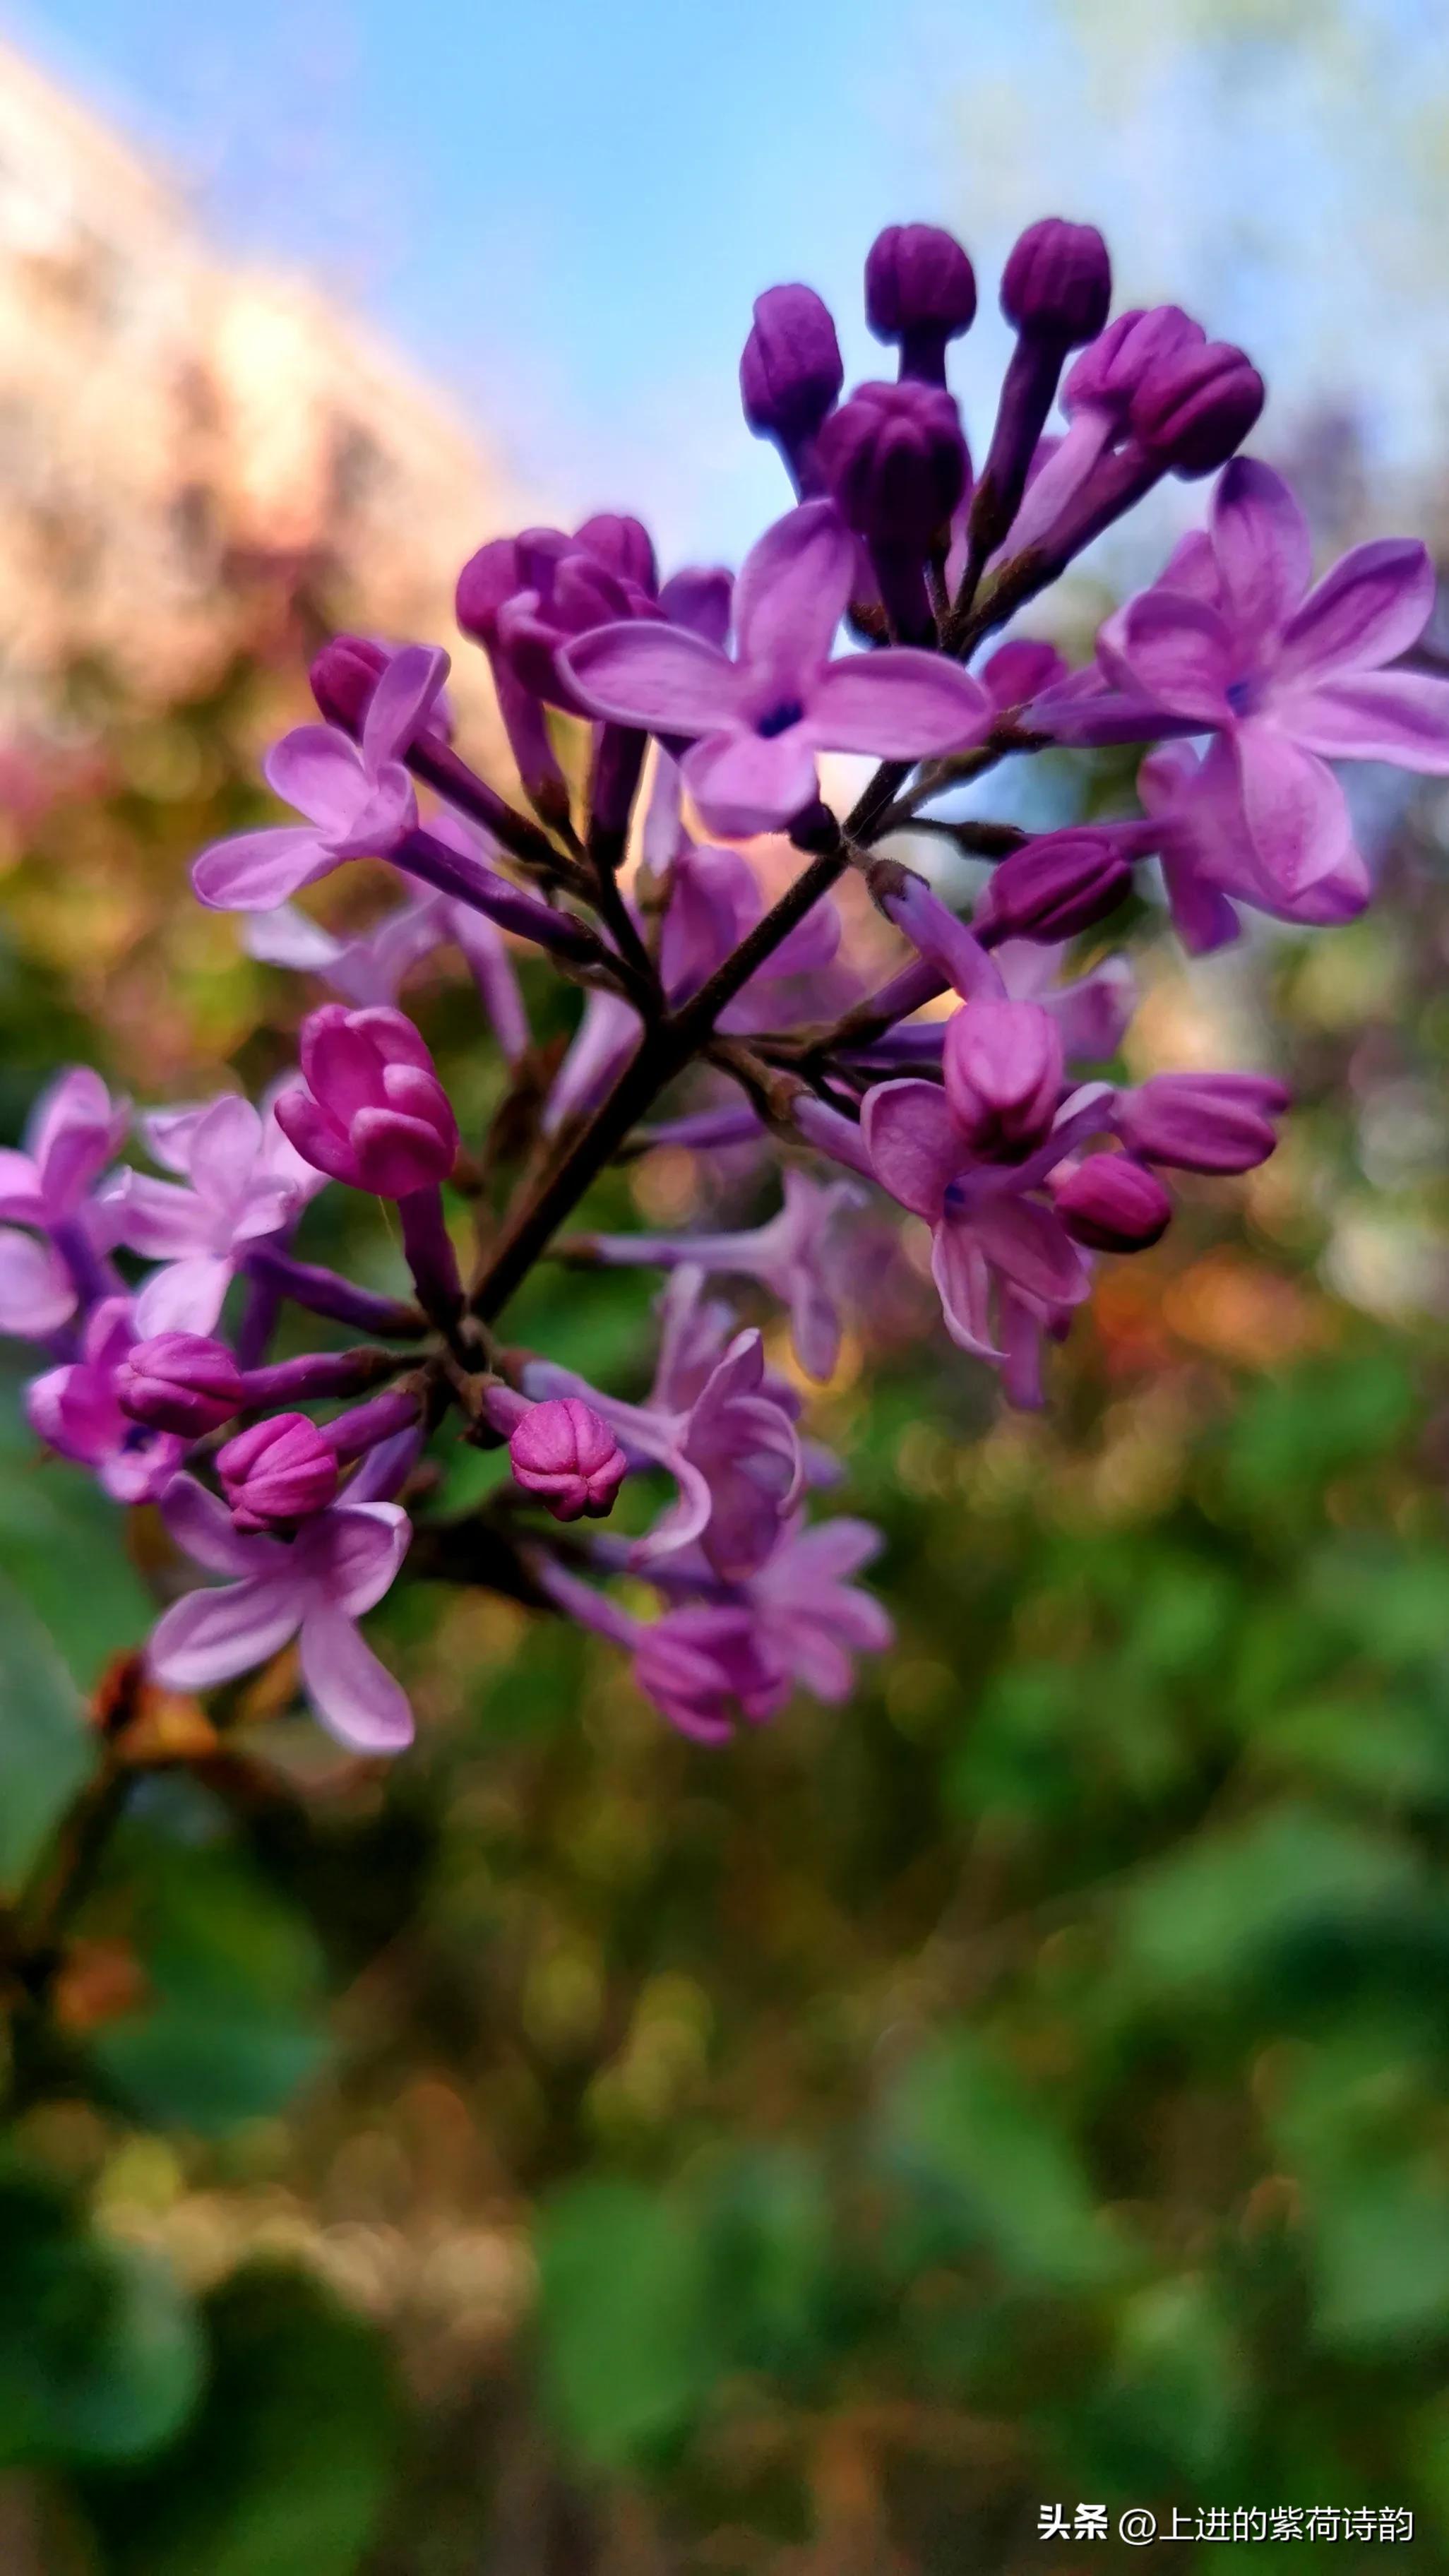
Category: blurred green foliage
[569,2150]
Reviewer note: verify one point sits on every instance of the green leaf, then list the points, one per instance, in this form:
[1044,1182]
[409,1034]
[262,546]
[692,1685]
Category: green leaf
[1228,1907]
[100,2355]
[629,2350]
[46,1749]
[63,1548]
[288,2463]
[961,2128]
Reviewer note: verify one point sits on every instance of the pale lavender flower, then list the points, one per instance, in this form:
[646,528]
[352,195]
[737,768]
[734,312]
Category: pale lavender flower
[357,797]
[77,1410]
[314,1587]
[790,1256]
[241,1184]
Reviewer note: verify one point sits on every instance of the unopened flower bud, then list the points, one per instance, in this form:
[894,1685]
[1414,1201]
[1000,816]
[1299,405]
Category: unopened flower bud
[344,675]
[1112,1204]
[487,579]
[1202,1122]
[1129,355]
[625,547]
[564,1453]
[182,1382]
[895,462]
[1003,1068]
[790,370]
[1058,885]
[1194,413]
[278,1471]
[920,291]
[1057,282]
[370,1109]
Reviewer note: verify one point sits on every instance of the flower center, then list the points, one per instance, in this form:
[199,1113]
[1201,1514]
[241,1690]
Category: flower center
[779,719]
[1241,696]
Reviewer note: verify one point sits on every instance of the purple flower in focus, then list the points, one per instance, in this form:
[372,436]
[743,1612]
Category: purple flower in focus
[315,1587]
[77,1411]
[757,724]
[280,1470]
[920,292]
[370,1109]
[1289,678]
[181,1382]
[1209,864]
[242,1184]
[788,1255]
[357,797]
[563,1452]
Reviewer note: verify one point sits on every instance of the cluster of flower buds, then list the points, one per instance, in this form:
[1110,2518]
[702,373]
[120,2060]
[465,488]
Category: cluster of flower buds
[977,1088]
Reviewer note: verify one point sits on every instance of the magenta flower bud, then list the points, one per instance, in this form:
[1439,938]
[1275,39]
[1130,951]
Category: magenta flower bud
[625,548]
[1003,1067]
[278,1471]
[895,462]
[790,370]
[920,291]
[182,1382]
[1128,356]
[1059,884]
[1057,283]
[369,1109]
[344,675]
[1112,1204]
[1202,1122]
[487,579]
[1193,413]
[565,1454]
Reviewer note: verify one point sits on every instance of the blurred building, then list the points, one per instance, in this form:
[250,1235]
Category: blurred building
[181,440]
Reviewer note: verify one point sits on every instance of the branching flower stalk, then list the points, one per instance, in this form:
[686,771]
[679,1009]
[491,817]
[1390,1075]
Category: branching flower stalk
[972,1090]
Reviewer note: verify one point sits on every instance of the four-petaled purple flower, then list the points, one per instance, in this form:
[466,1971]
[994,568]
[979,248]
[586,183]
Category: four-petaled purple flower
[757,724]
[76,1410]
[239,1182]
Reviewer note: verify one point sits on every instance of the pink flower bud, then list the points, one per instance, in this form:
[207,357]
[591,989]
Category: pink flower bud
[278,1471]
[1202,1122]
[370,1109]
[565,1454]
[1059,884]
[182,1382]
[1112,1204]
[1003,1067]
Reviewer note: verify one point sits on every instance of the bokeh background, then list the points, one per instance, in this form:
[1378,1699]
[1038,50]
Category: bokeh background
[566,2151]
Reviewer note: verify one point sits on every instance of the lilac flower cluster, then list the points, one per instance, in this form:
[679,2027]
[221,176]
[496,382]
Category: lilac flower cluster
[973,1087]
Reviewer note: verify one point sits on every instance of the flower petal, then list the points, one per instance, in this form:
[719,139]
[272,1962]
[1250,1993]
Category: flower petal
[255,871]
[643,673]
[1263,548]
[21,1196]
[1180,654]
[402,701]
[963,1281]
[212,1636]
[914,1144]
[744,782]
[316,769]
[1402,716]
[355,1697]
[161,1219]
[1031,1247]
[36,1294]
[898,704]
[1297,818]
[1371,607]
[792,594]
[200,1523]
[357,1548]
[287,938]
[225,1143]
[186,1297]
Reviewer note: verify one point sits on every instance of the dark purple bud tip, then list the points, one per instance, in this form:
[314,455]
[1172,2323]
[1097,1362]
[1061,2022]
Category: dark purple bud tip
[1058,282]
[1131,353]
[182,1382]
[1203,1122]
[895,462]
[565,1454]
[790,370]
[1194,413]
[1058,885]
[1002,1063]
[276,1472]
[343,678]
[1112,1204]
[920,290]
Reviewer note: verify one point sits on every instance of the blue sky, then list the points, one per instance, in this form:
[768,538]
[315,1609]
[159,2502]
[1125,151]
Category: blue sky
[562,209]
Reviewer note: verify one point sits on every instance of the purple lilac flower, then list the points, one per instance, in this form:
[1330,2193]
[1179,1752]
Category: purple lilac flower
[73,1131]
[277,1471]
[76,1409]
[357,797]
[756,724]
[37,1293]
[561,1451]
[789,1256]
[895,462]
[1287,677]
[920,293]
[314,1587]
[790,375]
[1209,865]
[1111,1203]
[241,1184]
[181,1382]
[1202,1122]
